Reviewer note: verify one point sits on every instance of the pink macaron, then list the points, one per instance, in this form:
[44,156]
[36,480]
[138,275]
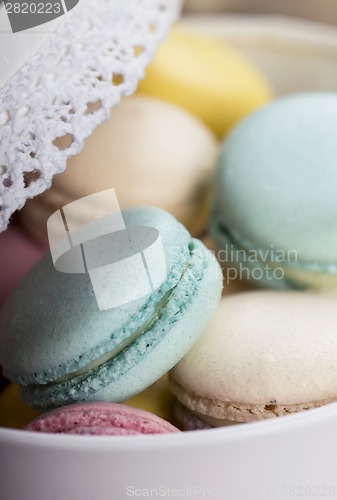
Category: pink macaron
[98,419]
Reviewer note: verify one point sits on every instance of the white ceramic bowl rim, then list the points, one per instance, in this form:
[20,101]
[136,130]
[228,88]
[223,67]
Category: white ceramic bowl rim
[254,430]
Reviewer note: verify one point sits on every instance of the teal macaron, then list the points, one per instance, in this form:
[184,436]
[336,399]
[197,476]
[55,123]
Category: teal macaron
[274,215]
[61,348]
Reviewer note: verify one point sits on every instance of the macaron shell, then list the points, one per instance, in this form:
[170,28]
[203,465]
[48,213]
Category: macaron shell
[151,152]
[216,413]
[275,183]
[181,322]
[100,419]
[263,354]
[207,77]
[53,327]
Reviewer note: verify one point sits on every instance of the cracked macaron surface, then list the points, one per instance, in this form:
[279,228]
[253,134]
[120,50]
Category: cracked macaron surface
[60,348]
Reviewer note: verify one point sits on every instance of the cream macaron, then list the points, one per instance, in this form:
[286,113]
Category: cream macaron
[264,354]
[151,152]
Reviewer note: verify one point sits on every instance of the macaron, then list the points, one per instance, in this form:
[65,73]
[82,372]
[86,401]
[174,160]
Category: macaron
[17,255]
[151,152]
[100,419]
[264,354]
[274,212]
[207,77]
[62,347]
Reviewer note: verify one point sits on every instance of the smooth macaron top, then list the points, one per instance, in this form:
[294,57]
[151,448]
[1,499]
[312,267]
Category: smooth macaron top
[52,326]
[265,347]
[277,176]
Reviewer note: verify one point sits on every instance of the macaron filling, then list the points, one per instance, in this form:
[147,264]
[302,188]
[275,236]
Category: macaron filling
[127,342]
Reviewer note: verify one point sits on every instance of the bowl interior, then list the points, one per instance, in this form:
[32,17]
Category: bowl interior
[295,56]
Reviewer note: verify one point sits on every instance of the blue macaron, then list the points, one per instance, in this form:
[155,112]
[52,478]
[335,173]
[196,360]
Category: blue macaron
[275,206]
[61,348]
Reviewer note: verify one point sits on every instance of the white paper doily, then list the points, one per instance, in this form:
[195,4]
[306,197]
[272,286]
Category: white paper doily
[98,54]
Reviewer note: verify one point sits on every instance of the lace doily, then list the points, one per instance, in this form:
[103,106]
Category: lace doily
[55,101]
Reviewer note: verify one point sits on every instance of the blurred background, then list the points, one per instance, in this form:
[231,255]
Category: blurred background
[317,10]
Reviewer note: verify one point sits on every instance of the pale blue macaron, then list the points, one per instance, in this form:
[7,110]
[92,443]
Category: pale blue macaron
[275,202]
[60,348]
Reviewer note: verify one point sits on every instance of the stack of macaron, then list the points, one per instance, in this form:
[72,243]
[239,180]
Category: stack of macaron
[266,211]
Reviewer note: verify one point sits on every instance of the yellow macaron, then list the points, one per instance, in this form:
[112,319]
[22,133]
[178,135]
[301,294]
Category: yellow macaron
[207,77]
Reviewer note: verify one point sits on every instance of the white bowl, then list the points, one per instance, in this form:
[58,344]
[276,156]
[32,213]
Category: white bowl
[292,456]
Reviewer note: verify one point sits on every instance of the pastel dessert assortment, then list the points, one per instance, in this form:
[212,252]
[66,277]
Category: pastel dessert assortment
[151,152]
[274,208]
[204,346]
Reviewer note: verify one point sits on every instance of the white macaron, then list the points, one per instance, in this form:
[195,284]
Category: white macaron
[264,354]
